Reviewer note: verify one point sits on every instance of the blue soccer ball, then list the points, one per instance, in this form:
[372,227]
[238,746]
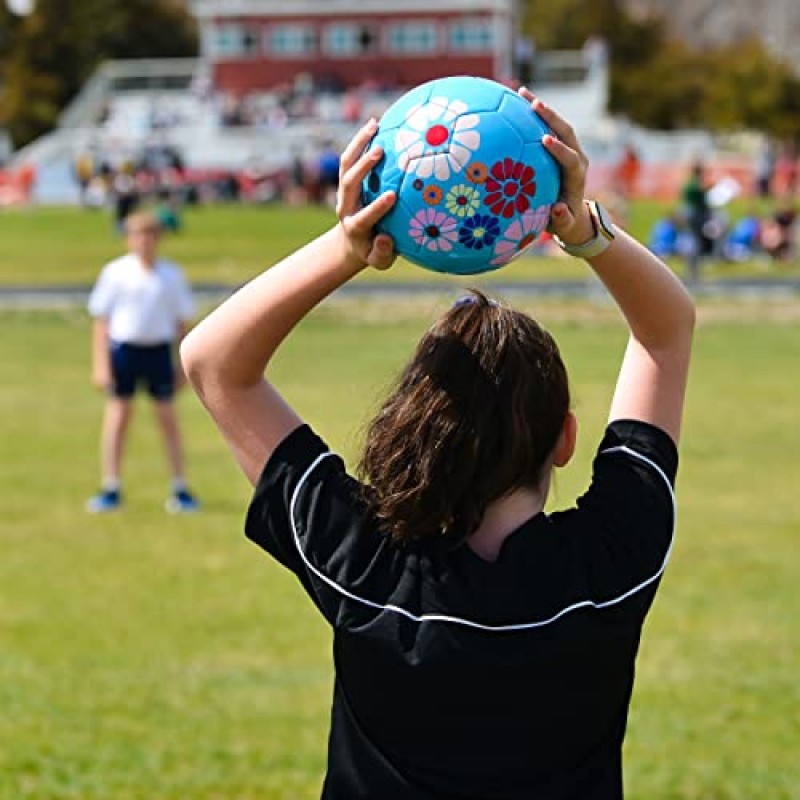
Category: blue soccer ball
[474,183]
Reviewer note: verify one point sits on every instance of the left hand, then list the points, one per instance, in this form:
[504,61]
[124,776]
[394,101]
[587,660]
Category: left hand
[357,222]
[569,218]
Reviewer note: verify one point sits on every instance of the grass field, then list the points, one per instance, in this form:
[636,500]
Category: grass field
[229,244]
[158,658]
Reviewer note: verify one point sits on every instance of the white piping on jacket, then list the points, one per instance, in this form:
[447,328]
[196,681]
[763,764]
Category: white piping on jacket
[420,618]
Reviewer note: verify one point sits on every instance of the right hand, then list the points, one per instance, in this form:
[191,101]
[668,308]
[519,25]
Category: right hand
[358,222]
[569,217]
[101,379]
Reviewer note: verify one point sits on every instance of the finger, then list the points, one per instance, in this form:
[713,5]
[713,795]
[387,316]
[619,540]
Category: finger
[561,217]
[526,93]
[557,123]
[569,158]
[357,144]
[382,255]
[352,179]
[361,168]
[366,218]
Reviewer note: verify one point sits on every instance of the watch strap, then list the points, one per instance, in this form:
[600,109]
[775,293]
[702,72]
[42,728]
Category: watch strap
[603,234]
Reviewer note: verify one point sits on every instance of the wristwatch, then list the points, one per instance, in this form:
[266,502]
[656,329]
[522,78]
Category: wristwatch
[604,233]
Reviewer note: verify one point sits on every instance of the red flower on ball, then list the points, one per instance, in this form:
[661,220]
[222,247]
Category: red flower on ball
[509,187]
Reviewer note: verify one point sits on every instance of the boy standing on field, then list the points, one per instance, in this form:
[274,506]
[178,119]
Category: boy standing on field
[141,305]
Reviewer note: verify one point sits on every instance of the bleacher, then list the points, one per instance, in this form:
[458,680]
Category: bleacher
[131,105]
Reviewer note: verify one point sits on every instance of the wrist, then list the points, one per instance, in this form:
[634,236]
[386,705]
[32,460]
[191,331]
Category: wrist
[582,230]
[350,258]
[602,233]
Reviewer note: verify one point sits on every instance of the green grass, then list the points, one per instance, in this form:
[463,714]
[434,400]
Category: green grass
[229,244]
[158,658]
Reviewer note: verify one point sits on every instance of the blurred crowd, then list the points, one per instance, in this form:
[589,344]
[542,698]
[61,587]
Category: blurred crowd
[772,236]
[703,223]
[307,98]
[17,185]
[701,228]
[159,176]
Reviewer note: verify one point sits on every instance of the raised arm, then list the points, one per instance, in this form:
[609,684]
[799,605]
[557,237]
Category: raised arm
[225,356]
[651,385]
[657,307]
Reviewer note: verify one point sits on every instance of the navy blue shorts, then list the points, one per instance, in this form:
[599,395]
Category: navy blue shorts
[132,364]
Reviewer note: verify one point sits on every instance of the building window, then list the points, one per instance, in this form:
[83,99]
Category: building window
[412,37]
[235,40]
[349,39]
[471,36]
[291,40]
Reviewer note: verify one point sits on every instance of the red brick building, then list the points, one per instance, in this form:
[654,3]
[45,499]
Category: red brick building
[258,44]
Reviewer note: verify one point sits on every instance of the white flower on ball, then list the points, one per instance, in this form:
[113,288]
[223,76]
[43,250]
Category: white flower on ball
[429,128]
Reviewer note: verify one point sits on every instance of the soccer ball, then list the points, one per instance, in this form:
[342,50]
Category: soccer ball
[474,183]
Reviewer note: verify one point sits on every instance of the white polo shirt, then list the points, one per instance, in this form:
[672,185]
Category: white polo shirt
[143,306]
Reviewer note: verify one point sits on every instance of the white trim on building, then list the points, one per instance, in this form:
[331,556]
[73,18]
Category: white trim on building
[204,9]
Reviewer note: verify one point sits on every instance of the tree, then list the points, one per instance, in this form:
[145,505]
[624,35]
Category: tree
[754,90]
[55,49]
[662,83]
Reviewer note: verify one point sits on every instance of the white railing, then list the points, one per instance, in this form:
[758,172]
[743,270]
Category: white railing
[112,77]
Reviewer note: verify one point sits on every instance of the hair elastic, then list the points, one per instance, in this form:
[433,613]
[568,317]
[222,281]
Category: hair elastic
[471,299]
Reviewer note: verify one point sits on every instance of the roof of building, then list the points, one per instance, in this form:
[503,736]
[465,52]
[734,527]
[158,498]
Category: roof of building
[234,8]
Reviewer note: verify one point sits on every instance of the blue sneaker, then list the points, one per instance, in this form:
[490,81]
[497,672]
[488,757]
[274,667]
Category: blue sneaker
[104,501]
[181,502]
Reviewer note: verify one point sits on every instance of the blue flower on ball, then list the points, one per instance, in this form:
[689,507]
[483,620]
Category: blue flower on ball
[479,231]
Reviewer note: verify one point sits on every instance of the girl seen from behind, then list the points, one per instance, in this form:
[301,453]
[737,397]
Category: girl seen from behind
[482,648]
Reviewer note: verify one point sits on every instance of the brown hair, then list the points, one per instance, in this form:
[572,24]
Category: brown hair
[475,414]
[142,221]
